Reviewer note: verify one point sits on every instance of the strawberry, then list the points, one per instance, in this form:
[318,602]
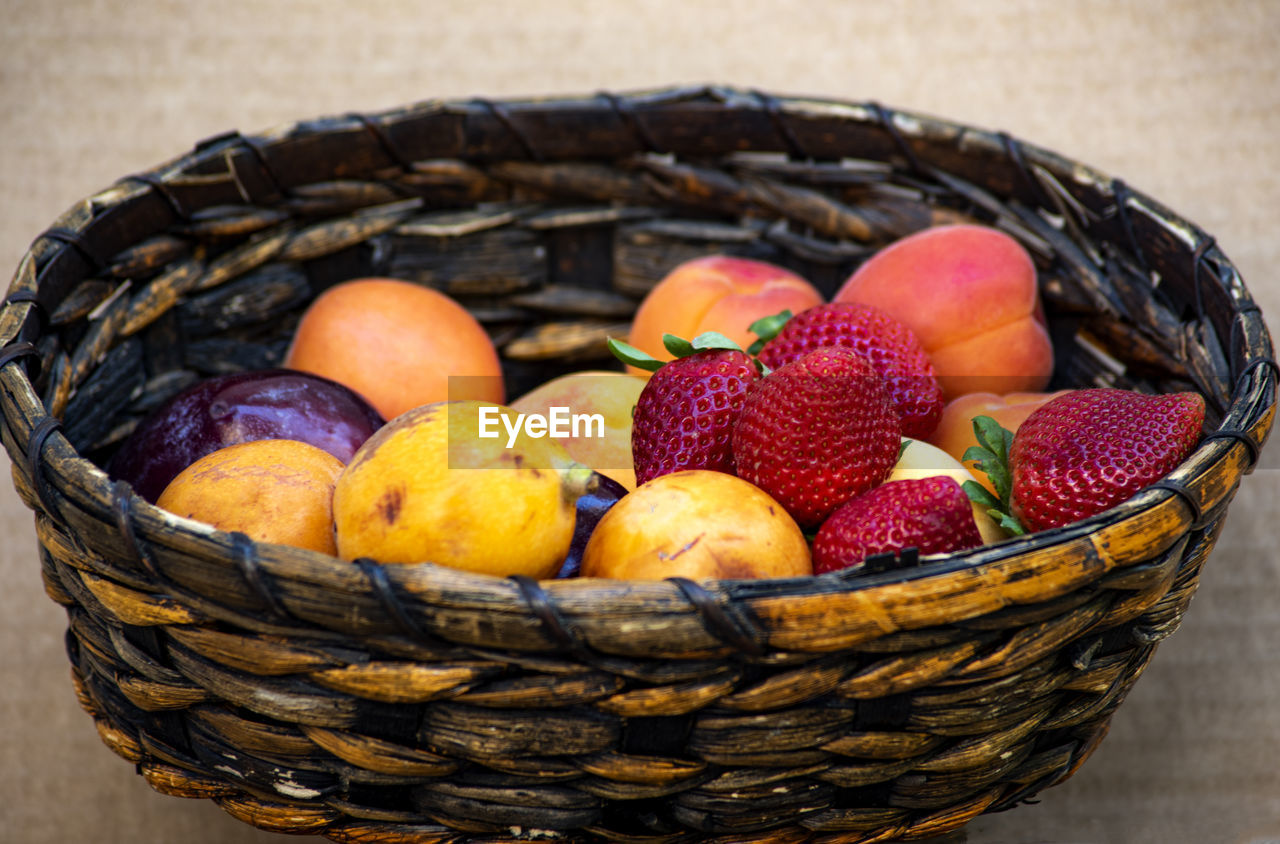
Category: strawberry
[892,348]
[816,432]
[933,515]
[1091,449]
[685,414]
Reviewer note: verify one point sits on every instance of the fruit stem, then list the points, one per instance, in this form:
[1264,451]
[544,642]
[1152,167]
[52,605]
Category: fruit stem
[578,479]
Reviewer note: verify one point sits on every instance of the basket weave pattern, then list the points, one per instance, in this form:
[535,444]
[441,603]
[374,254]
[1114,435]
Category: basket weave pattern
[370,703]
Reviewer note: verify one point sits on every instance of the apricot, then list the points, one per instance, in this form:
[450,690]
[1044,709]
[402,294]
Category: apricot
[278,491]
[969,293]
[612,395]
[717,293]
[398,344]
[922,460]
[954,433]
[699,524]
[432,486]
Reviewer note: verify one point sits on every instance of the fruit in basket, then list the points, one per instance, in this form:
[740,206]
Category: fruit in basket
[919,460]
[398,344]
[969,293]
[700,524]
[932,515]
[612,395]
[892,348]
[1090,449]
[240,407]
[719,293]
[451,483]
[816,432]
[686,413]
[955,434]
[277,491]
[589,509]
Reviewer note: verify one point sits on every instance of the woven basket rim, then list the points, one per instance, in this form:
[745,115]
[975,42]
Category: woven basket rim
[971,582]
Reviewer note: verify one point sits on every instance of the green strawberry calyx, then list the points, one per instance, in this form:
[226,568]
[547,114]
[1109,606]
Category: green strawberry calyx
[991,456]
[765,329]
[677,346]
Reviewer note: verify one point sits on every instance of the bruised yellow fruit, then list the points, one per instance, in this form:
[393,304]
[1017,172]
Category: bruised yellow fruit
[919,459]
[277,491]
[432,486]
[698,524]
[603,444]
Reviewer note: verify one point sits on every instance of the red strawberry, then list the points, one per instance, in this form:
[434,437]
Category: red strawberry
[1091,449]
[816,432]
[685,415]
[932,515]
[893,349]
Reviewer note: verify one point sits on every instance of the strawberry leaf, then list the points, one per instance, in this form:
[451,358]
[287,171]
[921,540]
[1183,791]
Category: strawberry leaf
[632,356]
[980,495]
[712,340]
[677,346]
[765,329]
[991,457]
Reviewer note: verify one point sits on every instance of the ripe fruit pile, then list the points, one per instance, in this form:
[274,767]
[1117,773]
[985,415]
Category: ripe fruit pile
[787,436]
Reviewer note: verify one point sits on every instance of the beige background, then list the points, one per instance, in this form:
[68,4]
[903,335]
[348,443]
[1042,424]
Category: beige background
[1181,99]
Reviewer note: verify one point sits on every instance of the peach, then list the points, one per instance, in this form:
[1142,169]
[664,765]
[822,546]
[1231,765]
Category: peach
[699,524]
[969,293]
[612,395]
[954,433]
[717,293]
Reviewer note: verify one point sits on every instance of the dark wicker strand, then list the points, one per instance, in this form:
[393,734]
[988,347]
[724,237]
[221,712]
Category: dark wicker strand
[773,109]
[35,461]
[246,558]
[1197,263]
[1240,436]
[1120,191]
[1013,149]
[122,495]
[17,351]
[384,140]
[503,116]
[385,591]
[260,155]
[544,609]
[714,618]
[76,241]
[157,184]
[885,118]
[1181,491]
[622,107]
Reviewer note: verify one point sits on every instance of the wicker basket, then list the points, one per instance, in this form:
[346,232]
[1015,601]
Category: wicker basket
[308,695]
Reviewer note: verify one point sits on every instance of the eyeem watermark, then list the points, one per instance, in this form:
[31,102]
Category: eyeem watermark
[558,423]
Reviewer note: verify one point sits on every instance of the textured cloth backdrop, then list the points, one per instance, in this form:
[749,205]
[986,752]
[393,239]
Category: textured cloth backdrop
[1181,99]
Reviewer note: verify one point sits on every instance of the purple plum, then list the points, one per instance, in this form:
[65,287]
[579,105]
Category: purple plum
[591,507]
[240,407]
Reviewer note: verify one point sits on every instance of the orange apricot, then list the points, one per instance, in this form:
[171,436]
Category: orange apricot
[717,293]
[954,433]
[278,491]
[398,344]
[969,293]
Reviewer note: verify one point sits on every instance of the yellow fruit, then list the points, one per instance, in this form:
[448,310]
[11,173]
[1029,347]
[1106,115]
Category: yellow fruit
[698,524]
[919,459]
[613,396]
[427,487]
[277,491]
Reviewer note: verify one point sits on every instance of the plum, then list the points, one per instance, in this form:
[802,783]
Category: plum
[591,507]
[239,407]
